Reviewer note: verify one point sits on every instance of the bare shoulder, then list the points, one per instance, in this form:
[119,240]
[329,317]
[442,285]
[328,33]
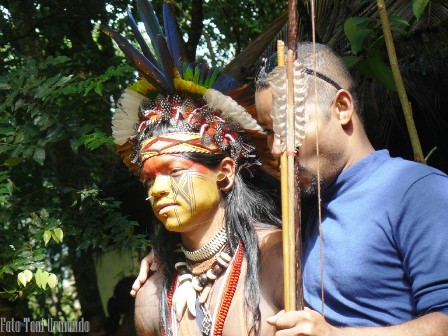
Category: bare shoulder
[147,305]
[271,265]
[270,242]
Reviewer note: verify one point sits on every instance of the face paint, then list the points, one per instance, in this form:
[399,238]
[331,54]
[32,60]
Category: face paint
[183,193]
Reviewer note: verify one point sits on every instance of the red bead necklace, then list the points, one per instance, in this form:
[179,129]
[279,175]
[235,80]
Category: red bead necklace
[228,292]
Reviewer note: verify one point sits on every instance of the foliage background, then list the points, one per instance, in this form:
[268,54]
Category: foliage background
[64,193]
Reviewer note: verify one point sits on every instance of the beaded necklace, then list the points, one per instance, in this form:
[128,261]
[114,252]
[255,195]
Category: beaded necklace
[226,293]
[208,250]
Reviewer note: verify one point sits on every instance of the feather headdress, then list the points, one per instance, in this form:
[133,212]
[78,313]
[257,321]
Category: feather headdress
[190,98]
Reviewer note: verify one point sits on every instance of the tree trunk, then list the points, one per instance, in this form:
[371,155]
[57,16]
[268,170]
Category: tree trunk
[24,37]
[197,16]
[86,283]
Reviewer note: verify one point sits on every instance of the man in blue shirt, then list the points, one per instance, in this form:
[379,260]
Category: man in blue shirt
[384,221]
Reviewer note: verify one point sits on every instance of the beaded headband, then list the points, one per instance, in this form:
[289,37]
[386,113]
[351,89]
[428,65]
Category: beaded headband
[201,110]
[175,143]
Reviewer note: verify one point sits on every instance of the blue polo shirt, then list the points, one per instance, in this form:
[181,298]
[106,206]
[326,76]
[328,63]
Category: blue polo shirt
[385,244]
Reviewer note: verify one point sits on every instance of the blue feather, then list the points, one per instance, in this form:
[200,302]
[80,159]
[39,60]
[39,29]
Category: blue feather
[166,61]
[225,83]
[172,37]
[141,41]
[151,22]
[148,70]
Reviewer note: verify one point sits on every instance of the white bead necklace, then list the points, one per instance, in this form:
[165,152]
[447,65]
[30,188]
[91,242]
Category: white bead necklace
[209,249]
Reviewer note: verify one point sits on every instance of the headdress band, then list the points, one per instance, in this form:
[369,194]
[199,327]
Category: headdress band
[173,143]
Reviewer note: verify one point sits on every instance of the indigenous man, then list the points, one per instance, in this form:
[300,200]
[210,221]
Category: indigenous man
[217,238]
[384,220]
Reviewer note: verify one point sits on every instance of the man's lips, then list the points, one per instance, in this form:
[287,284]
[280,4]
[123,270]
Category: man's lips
[161,209]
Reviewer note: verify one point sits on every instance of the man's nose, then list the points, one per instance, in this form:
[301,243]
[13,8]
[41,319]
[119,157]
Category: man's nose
[160,187]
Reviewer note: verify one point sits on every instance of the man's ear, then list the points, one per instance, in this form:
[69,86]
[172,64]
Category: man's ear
[343,106]
[226,174]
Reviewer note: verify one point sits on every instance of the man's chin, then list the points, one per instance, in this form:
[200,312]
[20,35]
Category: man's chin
[308,186]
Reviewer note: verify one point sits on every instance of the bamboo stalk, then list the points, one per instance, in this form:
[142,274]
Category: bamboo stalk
[406,105]
[290,196]
[290,155]
[287,270]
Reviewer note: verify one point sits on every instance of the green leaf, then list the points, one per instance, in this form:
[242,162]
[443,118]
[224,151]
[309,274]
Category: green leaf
[13,161]
[99,88]
[39,155]
[418,7]
[59,234]
[350,60]
[7,270]
[96,139]
[375,67]
[52,280]
[358,32]
[25,254]
[28,275]
[63,80]
[44,279]
[4,176]
[7,131]
[375,47]
[43,213]
[21,278]
[60,60]
[91,85]
[398,20]
[47,237]
[400,31]
[38,277]
[43,92]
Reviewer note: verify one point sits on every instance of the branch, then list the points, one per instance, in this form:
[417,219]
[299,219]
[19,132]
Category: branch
[406,105]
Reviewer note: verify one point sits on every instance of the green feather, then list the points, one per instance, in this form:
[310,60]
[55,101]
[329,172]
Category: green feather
[211,77]
[197,73]
[189,72]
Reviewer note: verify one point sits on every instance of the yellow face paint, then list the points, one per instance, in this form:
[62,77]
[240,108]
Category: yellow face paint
[183,193]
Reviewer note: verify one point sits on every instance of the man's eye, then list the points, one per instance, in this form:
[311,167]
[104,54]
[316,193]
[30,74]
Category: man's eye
[176,171]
